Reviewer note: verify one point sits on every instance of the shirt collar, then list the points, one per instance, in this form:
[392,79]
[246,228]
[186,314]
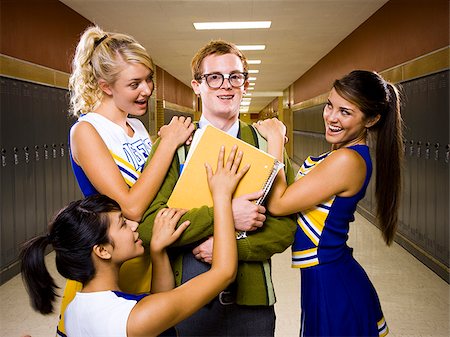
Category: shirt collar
[233,131]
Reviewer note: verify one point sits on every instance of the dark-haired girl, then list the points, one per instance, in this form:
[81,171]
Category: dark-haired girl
[337,297]
[92,239]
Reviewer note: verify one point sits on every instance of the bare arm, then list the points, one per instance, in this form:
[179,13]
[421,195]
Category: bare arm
[164,234]
[164,309]
[90,152]
[341,173]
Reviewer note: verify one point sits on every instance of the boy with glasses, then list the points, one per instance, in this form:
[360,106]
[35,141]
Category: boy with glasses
[246,308]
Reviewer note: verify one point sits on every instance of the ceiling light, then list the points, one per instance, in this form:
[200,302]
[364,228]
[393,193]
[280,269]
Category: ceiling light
[251,47]
[252,78]
[253,71]
[253,61]
[232,25]
[247,94]
[250,88]
[252,84]
[245,103]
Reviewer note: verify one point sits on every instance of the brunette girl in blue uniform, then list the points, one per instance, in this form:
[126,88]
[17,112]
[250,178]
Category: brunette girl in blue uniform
[337,297]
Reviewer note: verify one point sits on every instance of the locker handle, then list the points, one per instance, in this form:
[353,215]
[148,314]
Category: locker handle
[436,151]
[54,150]
[427,150]
[36,152]
[447,153]
[45,151]
[411,148]
[27,154]
[419,149]
[16,156]
[3,157]
[61,146]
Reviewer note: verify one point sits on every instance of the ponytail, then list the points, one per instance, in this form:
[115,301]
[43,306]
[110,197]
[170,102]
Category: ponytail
[73,233]
[38,282]
[376,97]
[389,154]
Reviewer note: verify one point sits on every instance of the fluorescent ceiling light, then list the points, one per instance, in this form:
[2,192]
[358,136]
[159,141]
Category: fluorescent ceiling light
[254,61]
[252,47]
[268,94]
[248,94]
[232,25]
[252,78]
[251,84]
[253,71]
[250,88]
[245,103]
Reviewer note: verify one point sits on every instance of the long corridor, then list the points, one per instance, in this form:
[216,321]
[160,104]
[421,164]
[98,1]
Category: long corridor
[415,300]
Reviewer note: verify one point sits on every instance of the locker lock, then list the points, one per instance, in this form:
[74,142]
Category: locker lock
[61,146]
[54,150]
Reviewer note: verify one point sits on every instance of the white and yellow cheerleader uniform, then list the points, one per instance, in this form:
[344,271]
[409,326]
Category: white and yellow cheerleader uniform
[130,155]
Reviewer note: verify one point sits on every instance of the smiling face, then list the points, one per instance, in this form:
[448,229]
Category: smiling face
[220,105]
[125,242]
[132,89]
[345,124]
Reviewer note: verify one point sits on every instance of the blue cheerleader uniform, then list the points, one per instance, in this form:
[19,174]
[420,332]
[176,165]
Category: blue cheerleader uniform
[337,297]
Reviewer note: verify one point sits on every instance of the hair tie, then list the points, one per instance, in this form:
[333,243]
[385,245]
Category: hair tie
[96,43]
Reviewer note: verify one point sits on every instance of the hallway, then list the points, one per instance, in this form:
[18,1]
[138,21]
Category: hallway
[415,300]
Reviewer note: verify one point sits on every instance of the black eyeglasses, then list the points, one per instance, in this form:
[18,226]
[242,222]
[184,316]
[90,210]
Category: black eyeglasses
[215,80]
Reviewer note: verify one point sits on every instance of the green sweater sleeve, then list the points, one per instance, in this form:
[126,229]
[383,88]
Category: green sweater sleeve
[274,236]
[201,218]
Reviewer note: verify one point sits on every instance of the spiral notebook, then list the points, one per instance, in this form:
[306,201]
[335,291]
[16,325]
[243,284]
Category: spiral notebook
[192,190]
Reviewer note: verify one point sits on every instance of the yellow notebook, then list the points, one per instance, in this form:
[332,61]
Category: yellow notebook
[192,190]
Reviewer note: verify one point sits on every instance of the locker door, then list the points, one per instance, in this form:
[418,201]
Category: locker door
[413,105]
[55,157]
[6,176]
[39,159]
[405,226]
[45,140]
[442,169]
[17,132]
[28,135]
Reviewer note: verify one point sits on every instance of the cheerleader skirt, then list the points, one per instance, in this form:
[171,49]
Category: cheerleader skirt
[338,299]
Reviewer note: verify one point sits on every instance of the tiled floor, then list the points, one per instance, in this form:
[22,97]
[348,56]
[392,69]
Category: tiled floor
[415,301]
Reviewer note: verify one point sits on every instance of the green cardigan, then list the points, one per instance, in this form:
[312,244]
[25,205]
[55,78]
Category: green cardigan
[253,280]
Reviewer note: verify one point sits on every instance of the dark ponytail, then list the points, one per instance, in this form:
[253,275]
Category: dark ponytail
[73,233]
[40,285]
[374,96]
[389,154]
